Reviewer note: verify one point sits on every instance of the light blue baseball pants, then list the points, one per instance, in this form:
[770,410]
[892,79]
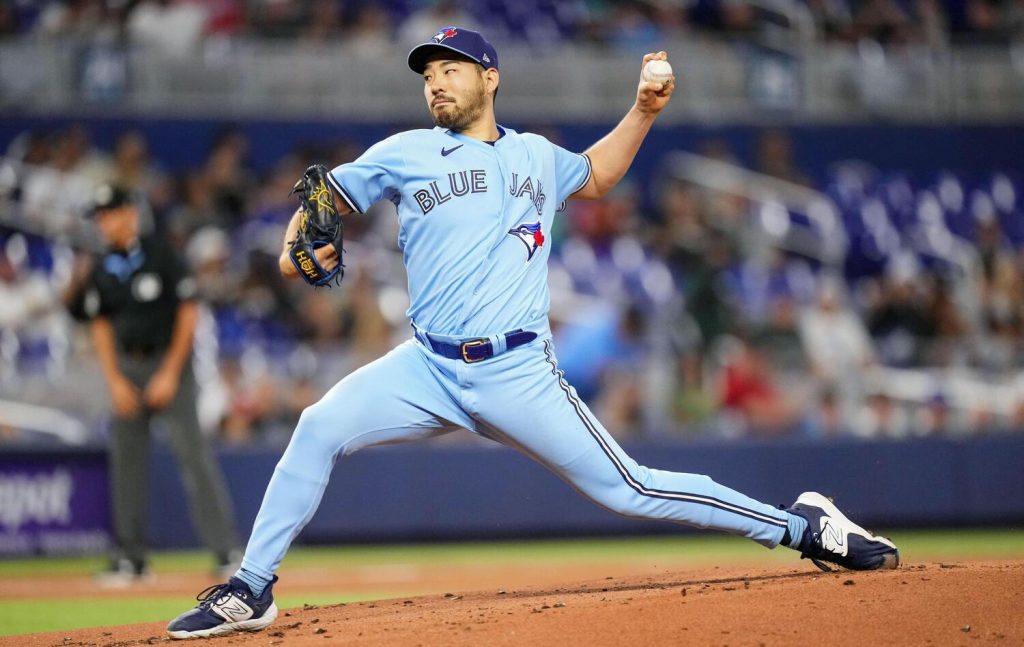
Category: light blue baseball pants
[413,393]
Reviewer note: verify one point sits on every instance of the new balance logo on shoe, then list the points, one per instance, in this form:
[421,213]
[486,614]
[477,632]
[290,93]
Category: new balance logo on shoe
[231,609]
[833,538]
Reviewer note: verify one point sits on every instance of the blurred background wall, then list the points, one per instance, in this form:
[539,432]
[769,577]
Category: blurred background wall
[820,245]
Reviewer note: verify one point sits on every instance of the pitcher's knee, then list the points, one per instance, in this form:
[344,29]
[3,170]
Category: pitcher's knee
[621,499]
[321,431]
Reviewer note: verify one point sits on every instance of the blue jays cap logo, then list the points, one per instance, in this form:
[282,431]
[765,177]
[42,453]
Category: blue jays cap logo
[447,32]
[455,39]
[531,235]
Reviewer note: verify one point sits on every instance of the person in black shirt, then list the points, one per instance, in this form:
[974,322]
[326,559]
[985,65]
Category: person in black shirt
[141,305]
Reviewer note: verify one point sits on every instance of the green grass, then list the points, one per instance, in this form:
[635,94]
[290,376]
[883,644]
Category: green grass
[33,615]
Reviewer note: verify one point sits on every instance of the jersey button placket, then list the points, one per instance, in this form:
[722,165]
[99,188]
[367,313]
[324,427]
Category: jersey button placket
[481,275]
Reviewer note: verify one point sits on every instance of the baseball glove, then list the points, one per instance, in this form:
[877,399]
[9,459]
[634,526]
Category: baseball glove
[319,226]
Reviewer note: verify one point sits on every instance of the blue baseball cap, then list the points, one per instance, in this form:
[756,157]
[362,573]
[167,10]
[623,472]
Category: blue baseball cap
[455,39]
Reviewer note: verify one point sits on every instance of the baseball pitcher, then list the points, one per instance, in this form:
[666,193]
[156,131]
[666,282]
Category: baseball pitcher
[476,203]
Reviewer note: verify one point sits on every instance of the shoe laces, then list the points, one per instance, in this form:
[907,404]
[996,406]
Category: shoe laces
[815,549]
[816,546]
[211,594]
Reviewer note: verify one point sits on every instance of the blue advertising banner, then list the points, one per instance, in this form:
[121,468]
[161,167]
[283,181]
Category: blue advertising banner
[49,506]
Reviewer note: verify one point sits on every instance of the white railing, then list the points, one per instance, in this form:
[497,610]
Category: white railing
[46,421]
[825,239]
[786,77]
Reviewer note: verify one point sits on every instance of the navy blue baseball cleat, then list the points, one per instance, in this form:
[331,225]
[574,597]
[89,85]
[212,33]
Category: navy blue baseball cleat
[224,609]
[831,537]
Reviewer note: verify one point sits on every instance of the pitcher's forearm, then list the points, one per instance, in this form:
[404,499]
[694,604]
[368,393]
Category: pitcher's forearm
[614,153]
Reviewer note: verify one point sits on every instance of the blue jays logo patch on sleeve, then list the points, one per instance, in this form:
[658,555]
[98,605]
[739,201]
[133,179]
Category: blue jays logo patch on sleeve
[531,235]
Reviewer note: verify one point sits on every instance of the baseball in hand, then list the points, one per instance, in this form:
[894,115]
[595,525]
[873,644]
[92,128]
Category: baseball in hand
[657,71]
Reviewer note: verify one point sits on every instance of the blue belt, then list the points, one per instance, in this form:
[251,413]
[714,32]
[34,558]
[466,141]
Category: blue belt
[475,350]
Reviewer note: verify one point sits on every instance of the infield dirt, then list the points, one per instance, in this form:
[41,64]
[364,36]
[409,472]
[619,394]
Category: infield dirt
[931,603]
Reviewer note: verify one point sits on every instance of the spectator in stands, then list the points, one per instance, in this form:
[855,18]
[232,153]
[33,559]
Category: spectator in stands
[208,252]
[695,401]
[275,18]
[371,33]
[8,19]
[85,160]
[33,148]
[194,210]
[169,27]
[937,418]
[948,326]
[885,21]
[750,395]
[230,178]
[225,18]
[24,294]
[29,317]
[984,22]
[832,18]
[53,195]
[778,332]
[325,22]
[898,318]
[136,171]
[72,18]
[1017,415]
[764,289]
[998,285]
[706,292]
[141,306]
[882,418]
[837,345]
[594,230]
[1002,303]
[775,157]
[434,13]
[683,237]
[599,344]
[367,331]
[930,24]
[1013,19]
[827,422]
[990,240]
[251,402]
[631,28]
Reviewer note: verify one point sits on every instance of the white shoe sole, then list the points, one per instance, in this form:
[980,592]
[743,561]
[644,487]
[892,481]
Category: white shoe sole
[820,501]
[256,624]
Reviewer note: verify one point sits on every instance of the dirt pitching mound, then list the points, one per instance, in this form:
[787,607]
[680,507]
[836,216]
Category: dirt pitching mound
[919,604]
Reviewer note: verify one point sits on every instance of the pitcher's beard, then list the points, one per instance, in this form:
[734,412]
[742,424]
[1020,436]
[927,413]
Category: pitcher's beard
[458,118]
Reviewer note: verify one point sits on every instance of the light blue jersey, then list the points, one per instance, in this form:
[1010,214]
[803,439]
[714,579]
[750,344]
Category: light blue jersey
[474,221]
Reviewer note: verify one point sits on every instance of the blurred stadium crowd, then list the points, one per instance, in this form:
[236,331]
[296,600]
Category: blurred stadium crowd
[178,25]
[679,309]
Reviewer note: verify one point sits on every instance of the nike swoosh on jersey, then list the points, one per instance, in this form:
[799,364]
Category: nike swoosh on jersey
[445,152]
